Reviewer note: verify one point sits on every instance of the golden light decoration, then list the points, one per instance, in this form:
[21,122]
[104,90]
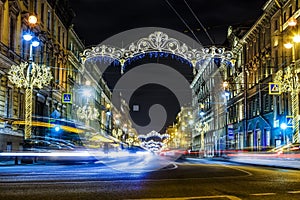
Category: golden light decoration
[289,82]
[87,113]
[39,75]
[292,22]
[225,84]
[288,45]
[28,76]
[296,38]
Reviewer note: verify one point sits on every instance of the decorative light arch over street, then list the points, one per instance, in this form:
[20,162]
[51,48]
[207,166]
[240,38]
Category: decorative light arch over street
[157,42]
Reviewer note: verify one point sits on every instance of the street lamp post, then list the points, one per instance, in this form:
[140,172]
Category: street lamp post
[283,126]
[29,75]
[226,96]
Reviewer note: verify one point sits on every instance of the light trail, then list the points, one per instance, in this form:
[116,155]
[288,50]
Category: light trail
[47,154]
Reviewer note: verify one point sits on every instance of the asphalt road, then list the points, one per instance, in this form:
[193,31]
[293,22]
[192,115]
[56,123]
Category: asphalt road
[189,179]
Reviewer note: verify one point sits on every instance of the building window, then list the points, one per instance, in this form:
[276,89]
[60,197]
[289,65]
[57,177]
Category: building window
[1,18]
[9,146]
[54,28]
[266,102]
[257,107]
[268,137]
[49,20]
[71,46]
[284,17]
[241,108]
[290,11]
[63,39]
[42,12]
[12,33]
[35,7]
[48,59]
[42,47]
[58,34]
[276,25]
[8,103]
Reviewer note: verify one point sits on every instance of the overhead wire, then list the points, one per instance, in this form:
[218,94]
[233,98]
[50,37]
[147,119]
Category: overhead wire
[183,21]
[205,30]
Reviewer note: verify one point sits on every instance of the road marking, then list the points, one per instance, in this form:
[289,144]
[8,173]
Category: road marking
[238,169]
[263,194]
[294,192]
[194,198]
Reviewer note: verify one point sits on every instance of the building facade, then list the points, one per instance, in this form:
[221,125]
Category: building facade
[209,108]
[54,19]
[261,108]
[184,123]
[59,50]
[263,61]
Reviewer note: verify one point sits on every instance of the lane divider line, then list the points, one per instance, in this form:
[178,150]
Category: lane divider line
[194,198]
[263,194]
[294,192]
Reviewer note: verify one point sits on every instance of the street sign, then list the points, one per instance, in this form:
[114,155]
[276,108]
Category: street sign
[289,121]
[67,98]
[230,132]
[55,114]
[274,88]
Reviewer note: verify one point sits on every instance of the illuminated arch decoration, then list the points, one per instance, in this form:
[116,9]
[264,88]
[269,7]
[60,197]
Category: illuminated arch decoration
[157,44]
[153,145]
[153,134]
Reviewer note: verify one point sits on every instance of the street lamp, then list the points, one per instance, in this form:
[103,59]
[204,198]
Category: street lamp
[226,96]
[29,75]
[291,45]
[283,126]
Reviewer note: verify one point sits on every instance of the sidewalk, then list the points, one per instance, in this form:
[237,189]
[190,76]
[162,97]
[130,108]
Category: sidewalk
[268,162]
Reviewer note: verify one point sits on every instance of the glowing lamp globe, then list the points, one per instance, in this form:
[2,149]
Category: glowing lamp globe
[292,22]
[296,38]
[227,93]
[27,36]
[32,19]
[288,45]
[57,128]
[35,43]
[225,84]
[283,126]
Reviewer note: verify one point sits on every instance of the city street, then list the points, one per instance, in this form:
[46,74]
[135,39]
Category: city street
[160,100]
[185,179]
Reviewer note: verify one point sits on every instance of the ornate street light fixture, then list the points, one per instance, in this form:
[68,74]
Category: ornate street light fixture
[29,75]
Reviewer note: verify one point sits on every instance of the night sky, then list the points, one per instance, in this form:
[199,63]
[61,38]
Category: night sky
[97,20]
